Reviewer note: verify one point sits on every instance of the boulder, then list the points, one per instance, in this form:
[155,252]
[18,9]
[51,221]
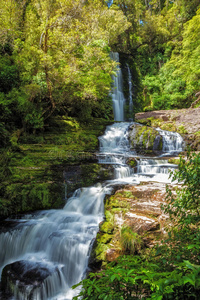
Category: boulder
[24,277]
[144,139]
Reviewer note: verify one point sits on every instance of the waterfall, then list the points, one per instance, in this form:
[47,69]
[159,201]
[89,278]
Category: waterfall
[115,149]
[117,91]
[130,93]
[56,244]
[57,241]
[172,141]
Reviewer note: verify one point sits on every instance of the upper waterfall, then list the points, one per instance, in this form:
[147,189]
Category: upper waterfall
[130,93]
[118,98]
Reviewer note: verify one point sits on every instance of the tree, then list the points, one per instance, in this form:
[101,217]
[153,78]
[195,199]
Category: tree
[67,44]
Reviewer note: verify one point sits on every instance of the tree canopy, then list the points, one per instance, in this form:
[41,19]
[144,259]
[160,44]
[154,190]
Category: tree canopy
[55,57]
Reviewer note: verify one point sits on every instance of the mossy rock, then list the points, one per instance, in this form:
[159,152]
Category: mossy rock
[131,162]
[144,138]
[31,171]
[107,227]
[174,161]
[104,238]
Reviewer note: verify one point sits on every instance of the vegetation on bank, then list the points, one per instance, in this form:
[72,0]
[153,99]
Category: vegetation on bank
[163,41]
[32,172]
[169,270]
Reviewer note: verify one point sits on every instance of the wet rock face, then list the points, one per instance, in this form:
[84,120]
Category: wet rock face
[27,276]
[74,176]
[144,139]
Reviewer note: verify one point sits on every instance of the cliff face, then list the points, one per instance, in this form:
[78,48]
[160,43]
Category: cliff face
[184,121]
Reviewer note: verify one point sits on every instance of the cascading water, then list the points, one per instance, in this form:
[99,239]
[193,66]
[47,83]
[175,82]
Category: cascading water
[57,241]
[114,147]
[117,91]
[115,150]
[56,244]
[130,93]
[172,142]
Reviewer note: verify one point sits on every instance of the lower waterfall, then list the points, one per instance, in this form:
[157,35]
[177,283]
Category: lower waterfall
[56,244]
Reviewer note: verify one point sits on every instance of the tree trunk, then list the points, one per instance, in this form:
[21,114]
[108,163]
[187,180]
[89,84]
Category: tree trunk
[49,86]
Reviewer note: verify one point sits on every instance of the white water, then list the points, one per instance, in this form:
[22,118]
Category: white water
[114,146]
[173,142]
[57,238]
[60,240]
[130,93]
[117,91]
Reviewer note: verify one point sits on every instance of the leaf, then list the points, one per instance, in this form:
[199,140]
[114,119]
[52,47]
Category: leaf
[89,290]
[188,279]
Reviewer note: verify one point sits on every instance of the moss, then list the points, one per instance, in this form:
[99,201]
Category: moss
[197,134]
[147,121]
[174,161]
[182,130]
[109,234]
[142,138]
[31,174]
[100,252]
[32,196]
[132,162]
[104,238]
[108,225]
[97,173]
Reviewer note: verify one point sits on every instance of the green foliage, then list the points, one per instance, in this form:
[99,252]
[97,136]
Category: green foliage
[178,79]
[9,74]
[131,241]
[133,278]
[50,64]
[184,206]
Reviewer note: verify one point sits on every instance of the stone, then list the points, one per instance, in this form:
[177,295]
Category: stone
[27,276]
[141,223]
[144,139]
[181,118]
[112,254]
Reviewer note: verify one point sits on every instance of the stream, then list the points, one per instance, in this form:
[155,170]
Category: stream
[43,254]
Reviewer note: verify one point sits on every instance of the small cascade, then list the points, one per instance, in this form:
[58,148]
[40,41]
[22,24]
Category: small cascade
[115,149]
[130,93]
[115,139]
[154,166]
[122,172]
[117,91]
[172,141]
